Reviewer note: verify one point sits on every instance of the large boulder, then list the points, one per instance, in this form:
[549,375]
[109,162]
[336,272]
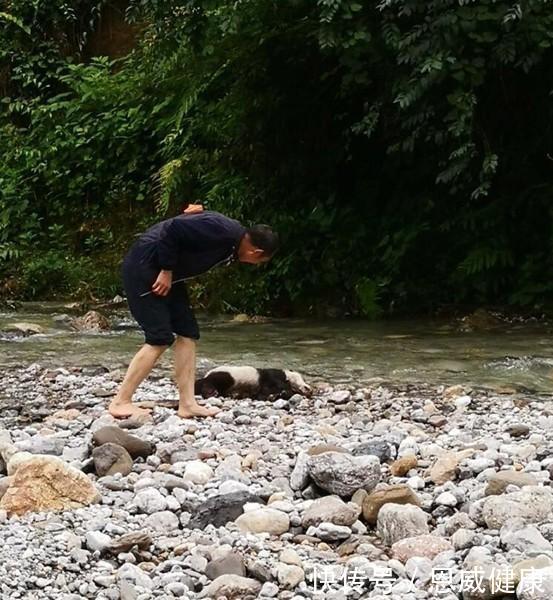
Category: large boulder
[343,474]
[112,434]
[396,522]
[47,483]
[330,509]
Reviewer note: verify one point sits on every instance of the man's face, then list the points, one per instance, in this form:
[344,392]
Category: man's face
[248,253]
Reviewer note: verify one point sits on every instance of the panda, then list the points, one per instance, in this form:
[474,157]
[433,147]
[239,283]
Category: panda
[250,382]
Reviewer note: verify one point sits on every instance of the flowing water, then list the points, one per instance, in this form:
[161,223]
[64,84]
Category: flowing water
[338,351]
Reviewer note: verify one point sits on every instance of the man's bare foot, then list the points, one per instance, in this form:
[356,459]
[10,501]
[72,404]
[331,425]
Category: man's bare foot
[120,410]
[197,410]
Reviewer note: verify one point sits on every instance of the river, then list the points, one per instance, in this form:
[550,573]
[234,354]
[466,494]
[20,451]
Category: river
[337,351]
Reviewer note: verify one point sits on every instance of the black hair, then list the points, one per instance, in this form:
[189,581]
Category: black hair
[264,238]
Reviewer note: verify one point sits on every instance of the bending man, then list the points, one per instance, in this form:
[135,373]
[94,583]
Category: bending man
[153,274]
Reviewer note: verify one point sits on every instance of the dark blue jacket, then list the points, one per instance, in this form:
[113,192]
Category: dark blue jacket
[188,245]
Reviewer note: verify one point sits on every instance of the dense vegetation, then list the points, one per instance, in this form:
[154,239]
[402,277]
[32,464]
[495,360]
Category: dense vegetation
[402,148]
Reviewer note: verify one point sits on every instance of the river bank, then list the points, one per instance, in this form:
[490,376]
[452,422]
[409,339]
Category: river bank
[264,501]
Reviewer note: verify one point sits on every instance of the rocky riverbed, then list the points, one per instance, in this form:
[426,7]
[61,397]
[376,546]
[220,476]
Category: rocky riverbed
[408,492]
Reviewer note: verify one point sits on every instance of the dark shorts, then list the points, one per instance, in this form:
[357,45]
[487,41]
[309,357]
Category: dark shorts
[160,317]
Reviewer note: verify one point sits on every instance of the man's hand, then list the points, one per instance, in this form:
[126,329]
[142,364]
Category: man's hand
[192,209]
[162,284]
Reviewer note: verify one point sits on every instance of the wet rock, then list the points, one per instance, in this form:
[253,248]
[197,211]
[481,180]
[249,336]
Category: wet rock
[427,546]
[219,510]
[395,494]
[92,321]
[396,522]
[531,505]
[498,482]
[46,483]
[26,328]
[331,509]
[231,587]
[342,474]
[264,520]
[115,435]
[110,459]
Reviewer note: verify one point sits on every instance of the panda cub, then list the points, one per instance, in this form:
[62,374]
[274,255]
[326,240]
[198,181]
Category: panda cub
[250,382]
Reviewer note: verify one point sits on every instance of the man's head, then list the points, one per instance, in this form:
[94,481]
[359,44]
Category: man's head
[258,245]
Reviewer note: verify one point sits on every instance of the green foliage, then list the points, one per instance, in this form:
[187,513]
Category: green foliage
[401,147]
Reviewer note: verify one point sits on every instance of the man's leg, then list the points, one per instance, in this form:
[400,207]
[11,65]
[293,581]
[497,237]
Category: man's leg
[140,367]
[185,372]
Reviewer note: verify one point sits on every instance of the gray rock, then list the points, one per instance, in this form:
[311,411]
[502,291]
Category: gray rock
[399,521]
[231,564]
[498,482]
[299,478]
[289,576]
[150,501]
[328,532]
[380,448]
[134,576]
[110,459]
[331,509]
[515,535]
[219,510]
[342,474]
[532,504]
[97,541]
[264,520]
[232,587]
[39,444]
[115,435]
[536,585]
[164,521]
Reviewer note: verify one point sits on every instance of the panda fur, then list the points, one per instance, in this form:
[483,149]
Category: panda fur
[250,382]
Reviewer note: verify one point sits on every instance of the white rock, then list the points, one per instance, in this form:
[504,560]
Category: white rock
[150,501]
[446,499]
[164,521]
[198,472]
[398,521]
[264,520]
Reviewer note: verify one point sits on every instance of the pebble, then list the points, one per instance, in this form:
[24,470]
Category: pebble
[251,505]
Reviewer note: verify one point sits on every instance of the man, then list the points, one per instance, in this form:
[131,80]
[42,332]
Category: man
[153,274]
